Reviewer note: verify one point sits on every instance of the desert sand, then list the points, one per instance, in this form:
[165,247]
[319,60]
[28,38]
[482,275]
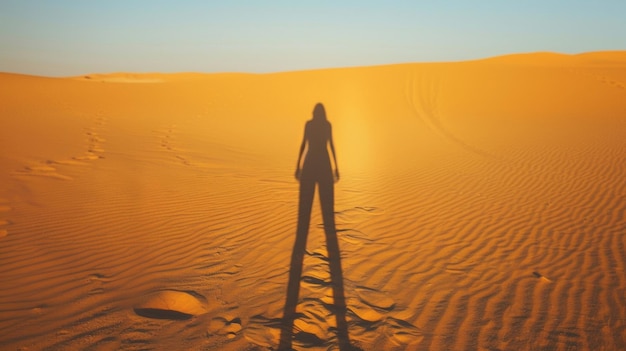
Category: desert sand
[481,206]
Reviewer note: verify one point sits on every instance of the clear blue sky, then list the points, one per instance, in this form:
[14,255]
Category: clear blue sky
[73,37]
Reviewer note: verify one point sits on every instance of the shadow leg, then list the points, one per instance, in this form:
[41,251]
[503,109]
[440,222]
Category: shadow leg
[327,199]
[307,191]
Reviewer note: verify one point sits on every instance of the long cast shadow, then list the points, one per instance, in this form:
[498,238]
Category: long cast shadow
[316,171]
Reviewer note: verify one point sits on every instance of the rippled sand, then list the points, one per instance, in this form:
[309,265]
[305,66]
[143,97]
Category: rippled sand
[481,206]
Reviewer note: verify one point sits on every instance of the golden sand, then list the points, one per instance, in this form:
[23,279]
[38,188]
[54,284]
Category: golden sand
[481,206]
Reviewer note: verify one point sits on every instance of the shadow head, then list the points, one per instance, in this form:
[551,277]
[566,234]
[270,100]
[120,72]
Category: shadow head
[319,112]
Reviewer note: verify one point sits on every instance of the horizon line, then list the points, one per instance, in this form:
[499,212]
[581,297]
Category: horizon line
[147,73]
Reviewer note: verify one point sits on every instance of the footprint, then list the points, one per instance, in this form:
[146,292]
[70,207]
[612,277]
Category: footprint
[306,338]
[375,298]
[94,149]
[94,138]
[364,312]
[224,326]
[319,253]
[166,143]
[97,278]
[41,169]
[87,156]
[71,162]
[316,280]
[263,331]
[541,277]
[44,170]
[315,325]
[94,141]
[401,332]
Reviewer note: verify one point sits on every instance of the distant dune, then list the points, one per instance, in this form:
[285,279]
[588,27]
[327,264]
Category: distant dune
[481,206]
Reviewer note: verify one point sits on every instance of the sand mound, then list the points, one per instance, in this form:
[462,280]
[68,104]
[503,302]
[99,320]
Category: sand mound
[172,304]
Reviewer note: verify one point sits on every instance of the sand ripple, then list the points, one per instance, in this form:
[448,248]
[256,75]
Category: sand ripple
[482,206]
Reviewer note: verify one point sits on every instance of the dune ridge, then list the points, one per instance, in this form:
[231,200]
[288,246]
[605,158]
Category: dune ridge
[481,206]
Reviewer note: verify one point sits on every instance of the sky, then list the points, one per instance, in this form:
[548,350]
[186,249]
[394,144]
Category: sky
[74,37]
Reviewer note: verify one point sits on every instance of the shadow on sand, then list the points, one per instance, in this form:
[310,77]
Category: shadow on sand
[316,171]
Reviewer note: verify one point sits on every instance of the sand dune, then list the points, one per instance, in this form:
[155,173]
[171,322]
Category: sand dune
[481,206]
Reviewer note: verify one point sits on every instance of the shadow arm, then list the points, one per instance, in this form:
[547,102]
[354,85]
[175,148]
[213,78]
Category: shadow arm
[332,149]
[302,147]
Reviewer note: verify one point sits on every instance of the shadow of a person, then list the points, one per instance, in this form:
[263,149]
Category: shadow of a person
[316,170]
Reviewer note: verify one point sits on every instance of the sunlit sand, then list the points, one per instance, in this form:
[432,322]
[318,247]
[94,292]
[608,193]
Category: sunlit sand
[481,205]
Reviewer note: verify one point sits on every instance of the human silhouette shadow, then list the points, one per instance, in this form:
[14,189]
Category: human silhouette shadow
[316,171]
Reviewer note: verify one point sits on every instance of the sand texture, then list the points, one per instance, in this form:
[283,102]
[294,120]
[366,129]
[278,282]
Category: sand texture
[481,206]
